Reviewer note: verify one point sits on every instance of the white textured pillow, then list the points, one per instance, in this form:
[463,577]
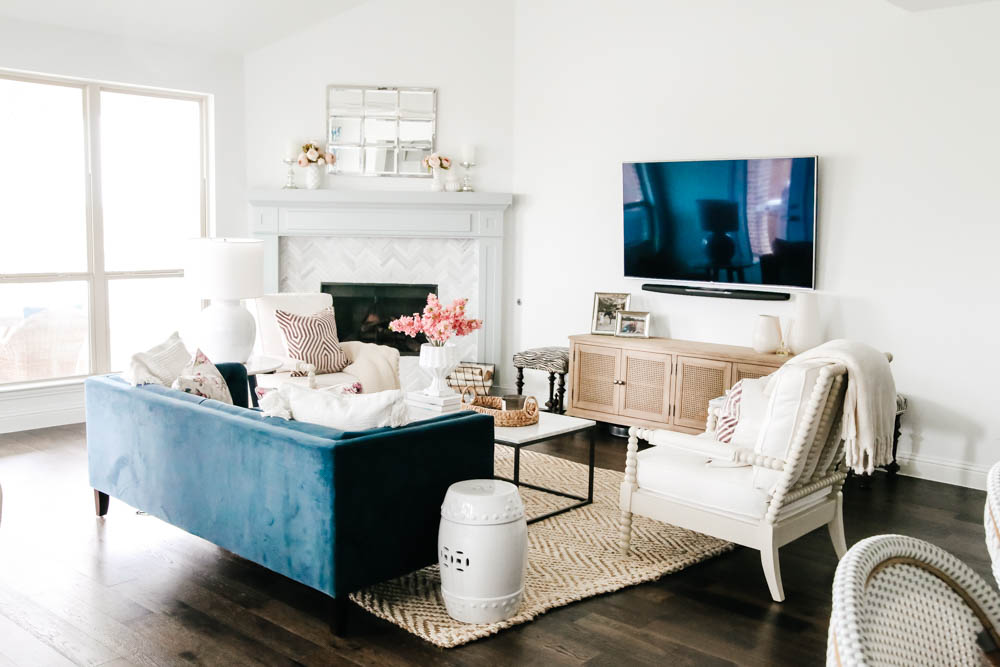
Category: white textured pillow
[792,386]
[159,365]
[753,407]
[201,378]
[348,412]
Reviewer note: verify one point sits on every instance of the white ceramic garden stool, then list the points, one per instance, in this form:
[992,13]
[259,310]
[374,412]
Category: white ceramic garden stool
[483,550]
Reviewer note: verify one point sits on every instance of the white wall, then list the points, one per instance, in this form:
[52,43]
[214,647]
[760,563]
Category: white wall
[902,109]
[461,48]
[59,51]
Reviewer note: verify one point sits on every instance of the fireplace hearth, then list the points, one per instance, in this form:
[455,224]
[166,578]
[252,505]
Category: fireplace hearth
[364,310]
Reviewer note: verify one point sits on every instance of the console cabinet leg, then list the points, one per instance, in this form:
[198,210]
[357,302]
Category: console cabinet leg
[338,610]
[101,501]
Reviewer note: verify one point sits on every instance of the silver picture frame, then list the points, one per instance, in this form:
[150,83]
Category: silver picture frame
[606,306]
[632,324]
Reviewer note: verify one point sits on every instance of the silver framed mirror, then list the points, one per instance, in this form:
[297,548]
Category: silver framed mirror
[380,131]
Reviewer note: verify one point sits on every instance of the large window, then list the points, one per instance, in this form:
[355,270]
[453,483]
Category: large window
[99,188]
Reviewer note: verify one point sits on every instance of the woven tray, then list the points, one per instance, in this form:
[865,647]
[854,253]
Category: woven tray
[490,405]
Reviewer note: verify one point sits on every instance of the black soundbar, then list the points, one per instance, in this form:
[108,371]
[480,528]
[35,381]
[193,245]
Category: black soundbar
[718,293]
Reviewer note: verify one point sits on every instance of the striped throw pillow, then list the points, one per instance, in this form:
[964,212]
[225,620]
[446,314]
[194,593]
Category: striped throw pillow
[312,339]
[730,414]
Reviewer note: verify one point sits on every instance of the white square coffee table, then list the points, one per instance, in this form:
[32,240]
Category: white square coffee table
[549,426]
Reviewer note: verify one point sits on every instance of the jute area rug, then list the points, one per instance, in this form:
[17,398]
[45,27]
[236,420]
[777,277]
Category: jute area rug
[571,557]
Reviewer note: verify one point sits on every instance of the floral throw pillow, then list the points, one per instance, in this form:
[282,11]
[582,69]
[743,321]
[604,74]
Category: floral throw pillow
[201,378]
[313,339]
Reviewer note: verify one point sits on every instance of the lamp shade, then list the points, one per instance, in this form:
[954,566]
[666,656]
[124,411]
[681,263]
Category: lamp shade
[225,268]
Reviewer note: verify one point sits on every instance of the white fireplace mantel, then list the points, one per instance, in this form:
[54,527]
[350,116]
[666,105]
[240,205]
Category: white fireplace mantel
[399,214]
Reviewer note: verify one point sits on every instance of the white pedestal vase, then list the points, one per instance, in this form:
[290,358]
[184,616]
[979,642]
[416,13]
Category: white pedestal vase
[438,362]
[482,550]
[437,182]
[767,334]
[314,177]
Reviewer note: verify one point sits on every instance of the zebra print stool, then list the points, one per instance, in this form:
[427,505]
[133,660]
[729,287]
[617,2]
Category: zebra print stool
[555,360]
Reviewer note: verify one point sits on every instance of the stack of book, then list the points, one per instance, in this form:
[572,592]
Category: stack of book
[421,405]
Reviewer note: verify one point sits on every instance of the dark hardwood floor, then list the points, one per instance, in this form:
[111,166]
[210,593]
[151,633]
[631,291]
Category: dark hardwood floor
[130,589]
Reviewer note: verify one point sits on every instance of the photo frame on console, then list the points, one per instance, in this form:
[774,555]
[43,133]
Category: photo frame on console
[632,324]
[606,307]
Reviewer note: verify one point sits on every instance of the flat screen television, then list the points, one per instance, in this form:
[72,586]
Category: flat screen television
[731,223]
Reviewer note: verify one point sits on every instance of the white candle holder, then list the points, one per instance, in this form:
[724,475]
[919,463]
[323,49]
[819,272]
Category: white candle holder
[290,177]
[467,177]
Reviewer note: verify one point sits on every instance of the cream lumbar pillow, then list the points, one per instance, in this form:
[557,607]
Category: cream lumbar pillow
[161,364]
[344,411]
[201,378]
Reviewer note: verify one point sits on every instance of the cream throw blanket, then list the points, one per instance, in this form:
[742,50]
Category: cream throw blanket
[869,404]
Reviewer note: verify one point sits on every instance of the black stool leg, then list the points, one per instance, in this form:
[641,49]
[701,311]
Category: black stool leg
[562,393]
[520,379]
[550,404]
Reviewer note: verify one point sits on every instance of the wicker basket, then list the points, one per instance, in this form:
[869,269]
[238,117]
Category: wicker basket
[490,405]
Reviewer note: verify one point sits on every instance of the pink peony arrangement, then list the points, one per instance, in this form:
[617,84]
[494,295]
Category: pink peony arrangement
[313,154]
[434,160]
[439,323]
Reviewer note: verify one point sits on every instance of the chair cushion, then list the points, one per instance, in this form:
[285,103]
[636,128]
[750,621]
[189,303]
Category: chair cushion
[689,478]
[753,407]
[686,477]
[552,359]
[792,386]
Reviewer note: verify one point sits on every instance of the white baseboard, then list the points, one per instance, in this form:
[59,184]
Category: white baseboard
[42,406]
[938,469]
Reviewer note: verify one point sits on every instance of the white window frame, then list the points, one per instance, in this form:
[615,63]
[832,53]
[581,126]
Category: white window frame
[96,276]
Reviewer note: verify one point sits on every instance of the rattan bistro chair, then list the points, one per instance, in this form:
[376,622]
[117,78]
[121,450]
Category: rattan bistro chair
[898,600]
[713,488]
[991,518]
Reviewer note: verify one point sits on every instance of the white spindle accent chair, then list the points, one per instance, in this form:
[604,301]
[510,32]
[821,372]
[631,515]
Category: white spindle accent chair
[898,600]
[721,500]
[991,518]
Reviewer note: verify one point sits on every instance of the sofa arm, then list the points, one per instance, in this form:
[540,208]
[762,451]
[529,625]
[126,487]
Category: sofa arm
[389,488]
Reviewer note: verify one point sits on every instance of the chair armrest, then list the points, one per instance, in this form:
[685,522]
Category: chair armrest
[748,456]
[714,410]
[375,366]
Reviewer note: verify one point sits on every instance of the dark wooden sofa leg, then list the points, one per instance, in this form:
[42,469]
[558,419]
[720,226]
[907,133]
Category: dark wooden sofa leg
[338,610]
[101,501]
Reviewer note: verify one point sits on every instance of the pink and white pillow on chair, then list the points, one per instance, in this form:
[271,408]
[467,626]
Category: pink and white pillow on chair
[313,339]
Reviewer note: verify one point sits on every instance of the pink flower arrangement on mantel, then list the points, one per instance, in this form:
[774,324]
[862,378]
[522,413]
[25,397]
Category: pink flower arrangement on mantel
[439,323]
[434,160]
[313,154]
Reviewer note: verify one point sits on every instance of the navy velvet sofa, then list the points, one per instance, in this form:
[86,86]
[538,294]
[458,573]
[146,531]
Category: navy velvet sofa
[334,510]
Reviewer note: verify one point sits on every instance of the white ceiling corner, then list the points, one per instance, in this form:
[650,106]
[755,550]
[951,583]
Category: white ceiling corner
[924,5]
[229,26]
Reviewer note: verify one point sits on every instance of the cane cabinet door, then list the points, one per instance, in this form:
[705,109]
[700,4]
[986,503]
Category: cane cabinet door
[644,388]
[698,382]
[750,371]
[595,378]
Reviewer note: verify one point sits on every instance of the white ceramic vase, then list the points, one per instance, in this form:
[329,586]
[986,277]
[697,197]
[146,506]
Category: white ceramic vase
[314,177]
[767,334]
[806,333]
[438,362]
[437,182]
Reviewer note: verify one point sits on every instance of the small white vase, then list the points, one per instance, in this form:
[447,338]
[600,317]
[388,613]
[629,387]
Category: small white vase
[805,333]
[767,334]
[314,177]
[438,362]
[437,182]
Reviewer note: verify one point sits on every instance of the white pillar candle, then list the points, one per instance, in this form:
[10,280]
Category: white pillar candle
[469,153]
[292,151]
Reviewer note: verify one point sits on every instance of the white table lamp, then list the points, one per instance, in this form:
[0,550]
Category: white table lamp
[225,271]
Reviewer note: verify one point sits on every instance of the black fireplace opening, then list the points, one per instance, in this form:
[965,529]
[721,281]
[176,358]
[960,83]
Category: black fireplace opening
[364,310]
